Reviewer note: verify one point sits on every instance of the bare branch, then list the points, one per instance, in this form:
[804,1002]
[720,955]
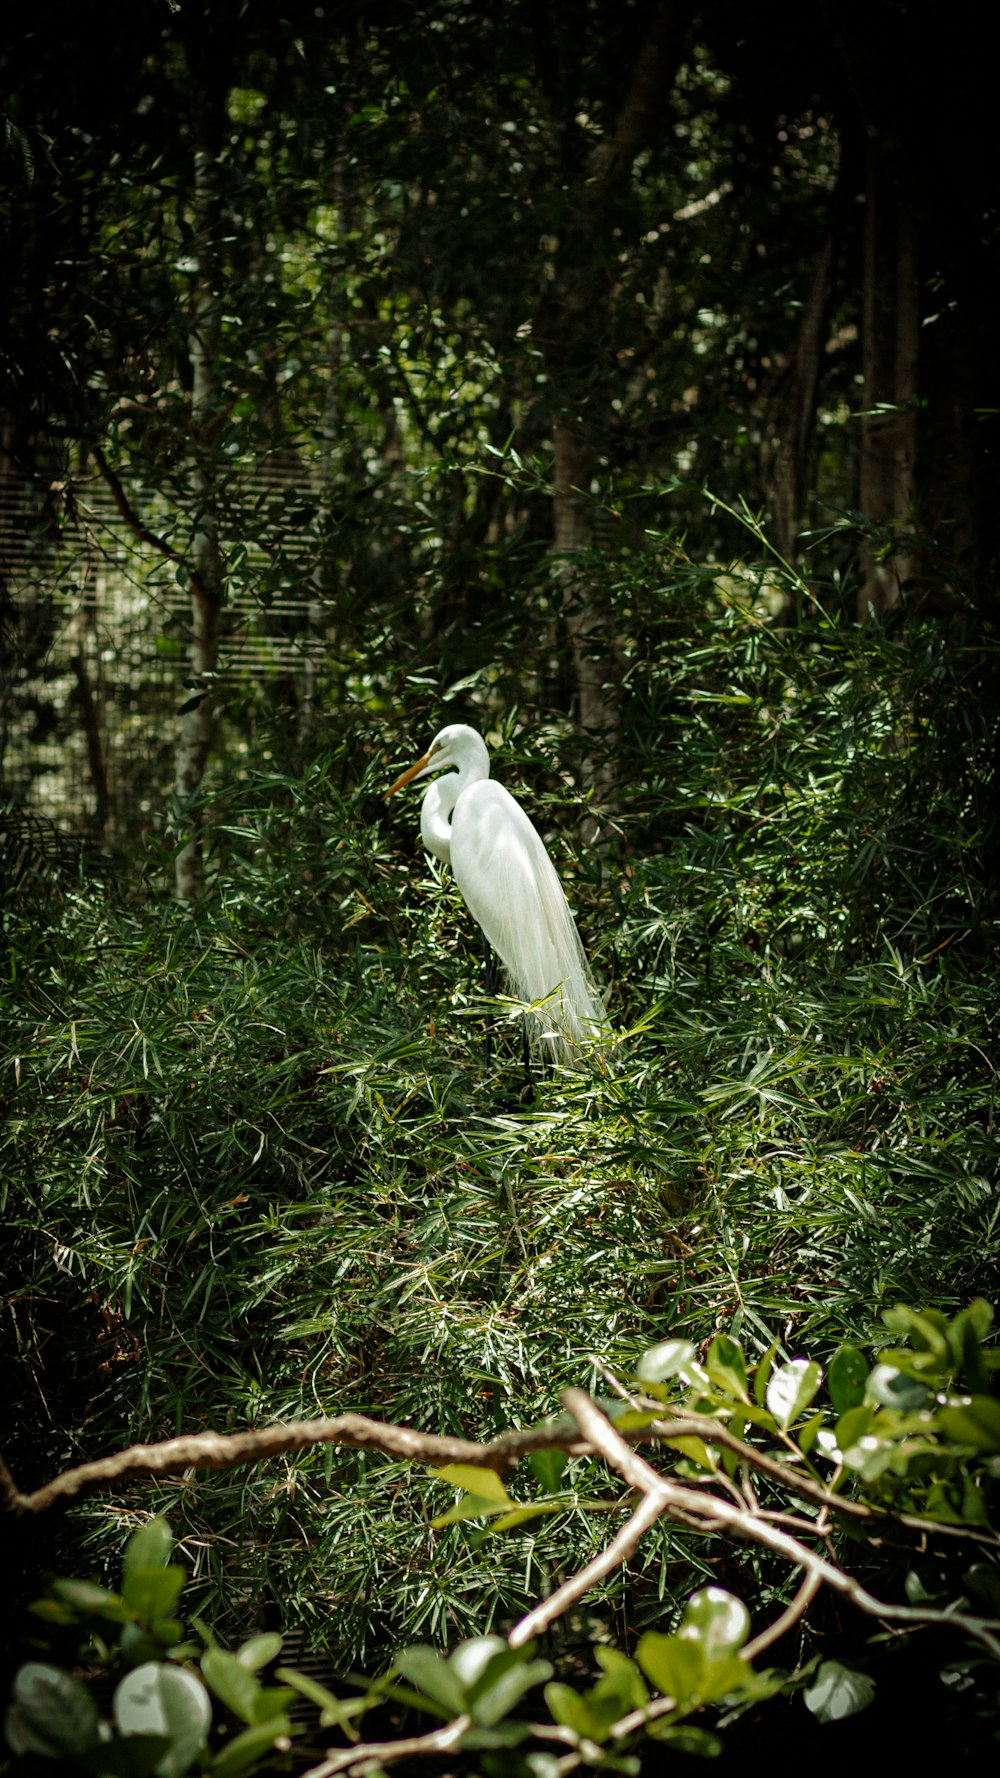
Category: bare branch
[369,1756]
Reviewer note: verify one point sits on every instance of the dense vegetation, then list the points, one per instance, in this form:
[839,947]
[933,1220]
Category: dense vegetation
[254,1170]
[493,370]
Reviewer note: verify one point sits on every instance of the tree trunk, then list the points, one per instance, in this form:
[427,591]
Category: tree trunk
[891,322]
[796,421]
[207,584]
[572,322]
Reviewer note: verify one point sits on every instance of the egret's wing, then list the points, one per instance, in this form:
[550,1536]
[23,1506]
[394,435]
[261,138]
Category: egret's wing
[511,888]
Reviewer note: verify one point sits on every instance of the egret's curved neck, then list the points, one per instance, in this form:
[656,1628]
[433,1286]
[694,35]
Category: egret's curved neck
[473,765]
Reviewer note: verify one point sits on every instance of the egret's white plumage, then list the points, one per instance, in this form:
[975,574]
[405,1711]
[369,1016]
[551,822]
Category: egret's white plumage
[509,885]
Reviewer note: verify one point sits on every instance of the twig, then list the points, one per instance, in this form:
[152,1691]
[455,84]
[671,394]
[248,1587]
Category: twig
[372,1754]
[611,1557]
[751,1527]
[141,530]
[793,1611]
[213,1450]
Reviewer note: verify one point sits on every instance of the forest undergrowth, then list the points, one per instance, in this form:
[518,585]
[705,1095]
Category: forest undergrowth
[254,1166]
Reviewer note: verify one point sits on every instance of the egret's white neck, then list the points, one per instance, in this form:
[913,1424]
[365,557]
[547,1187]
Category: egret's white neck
[468,753]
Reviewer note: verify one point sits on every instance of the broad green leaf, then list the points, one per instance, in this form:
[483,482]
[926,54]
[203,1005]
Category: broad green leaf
[571,1710]
[791,1388]
[471,1506]
[472,1659]
[149,1547]
[717,1620]
[509,1521]
[86,1596]
[808,1434]
[926,1329]
[257,1651]
[161,1700]
[51,1714]
[673,1665]
[983,1582]
[686,1738]
[846,1378]
[696,1450]
[495,1676]
[893,1388]
[871,1456]
[726,1366]
[623,1677]
[246,1749]
[838,1691]
[854,1424]
[966,1352]
[731,1460]
[233,1684]
[152,1592]
[431,1673]
[668,1359]
[681,1668]
[547,1468]
[975,1422]
[485,1484]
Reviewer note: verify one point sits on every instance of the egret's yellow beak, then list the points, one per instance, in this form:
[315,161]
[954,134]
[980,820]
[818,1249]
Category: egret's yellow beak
[408,776]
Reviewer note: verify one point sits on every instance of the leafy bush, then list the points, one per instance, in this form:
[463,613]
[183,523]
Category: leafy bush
[253,1167]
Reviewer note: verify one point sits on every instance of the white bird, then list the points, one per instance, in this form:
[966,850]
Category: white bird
[509,885]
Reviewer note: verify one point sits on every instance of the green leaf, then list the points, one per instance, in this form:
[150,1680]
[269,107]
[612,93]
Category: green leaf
[846,1378]
[520,1515]
[791,1388]
[334,1712]
[696,1450]
[570,1709]
[495,1676]
[257,1651]
[853,1425]
[161,1700]
[86,1596]
[682,1669]
[51,1713]
[893,1388]
[472,1506]
[838,1691]
[547,1468]
[687,1738]
[674,1666]
[152,1592]
[233,1684]
[431,1673]
[927,1329]
[717,1620]
[149,1547]
[762,1374]
[622,1677]
[975,1422]
[245,1749]
[484,1484]
[809,1433]
[667,1359]
[726,1366]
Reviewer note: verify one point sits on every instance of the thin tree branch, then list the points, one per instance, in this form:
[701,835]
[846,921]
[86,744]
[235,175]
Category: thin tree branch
[752,1528]
[141,530]
[370,1755]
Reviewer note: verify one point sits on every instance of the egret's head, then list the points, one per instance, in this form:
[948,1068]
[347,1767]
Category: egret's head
[455,745]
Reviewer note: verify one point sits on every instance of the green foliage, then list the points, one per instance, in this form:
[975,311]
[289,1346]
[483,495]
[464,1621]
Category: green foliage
[163,1705]
[252,1168]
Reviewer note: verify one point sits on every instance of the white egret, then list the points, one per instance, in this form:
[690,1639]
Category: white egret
[509,885]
